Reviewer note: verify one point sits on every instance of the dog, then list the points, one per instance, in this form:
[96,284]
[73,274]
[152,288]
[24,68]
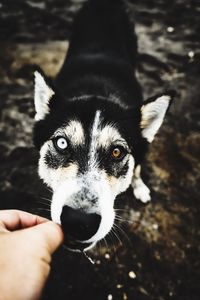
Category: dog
[92,127]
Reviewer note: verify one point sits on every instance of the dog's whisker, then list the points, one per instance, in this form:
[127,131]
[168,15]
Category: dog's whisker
[46,199]
[117,237]
[114,241]
[43,203]
[43,209]
[99,246]
[123,233]
[48,189]
[110,236]
[65,247]
[104,239]
[120,211]
[118,218]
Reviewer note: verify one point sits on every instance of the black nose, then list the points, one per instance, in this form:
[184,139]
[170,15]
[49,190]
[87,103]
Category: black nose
[79,225]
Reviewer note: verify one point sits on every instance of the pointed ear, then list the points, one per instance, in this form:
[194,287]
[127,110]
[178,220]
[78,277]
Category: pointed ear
[152,115]
[42,97]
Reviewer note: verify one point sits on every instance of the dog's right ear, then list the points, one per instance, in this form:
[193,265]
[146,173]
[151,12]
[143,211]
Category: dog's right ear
[42,97]
[153,112]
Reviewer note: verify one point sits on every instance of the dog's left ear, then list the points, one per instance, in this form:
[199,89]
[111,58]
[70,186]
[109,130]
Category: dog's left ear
[42,97]
[152,114]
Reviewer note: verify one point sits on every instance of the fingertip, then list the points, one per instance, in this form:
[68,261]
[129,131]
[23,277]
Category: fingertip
[53,235]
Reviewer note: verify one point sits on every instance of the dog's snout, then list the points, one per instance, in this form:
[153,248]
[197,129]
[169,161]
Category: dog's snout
[78,224]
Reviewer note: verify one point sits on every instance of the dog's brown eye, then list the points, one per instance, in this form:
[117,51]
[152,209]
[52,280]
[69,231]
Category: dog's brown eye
[116,153]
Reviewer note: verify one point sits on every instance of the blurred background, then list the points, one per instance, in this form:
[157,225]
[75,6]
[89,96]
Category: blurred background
[155,251]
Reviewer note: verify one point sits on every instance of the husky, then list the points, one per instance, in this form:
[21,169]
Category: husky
[92,127]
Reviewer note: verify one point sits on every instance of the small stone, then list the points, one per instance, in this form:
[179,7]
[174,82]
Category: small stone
[40,5]
[143,291]
[157,255]
[119,286]
[170,29]
[98,262]
[110,297]
[191,54]
[155,226]
[132,275]
[125,297]
[107,256]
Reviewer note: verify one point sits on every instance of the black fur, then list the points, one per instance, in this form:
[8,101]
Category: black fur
[102,55]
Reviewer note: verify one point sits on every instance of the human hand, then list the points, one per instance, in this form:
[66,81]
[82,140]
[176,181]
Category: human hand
[26,244]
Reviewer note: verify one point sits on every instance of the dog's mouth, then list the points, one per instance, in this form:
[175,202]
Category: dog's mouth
[76,246]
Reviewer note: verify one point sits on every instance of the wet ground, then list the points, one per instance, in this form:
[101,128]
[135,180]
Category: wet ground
[156,254]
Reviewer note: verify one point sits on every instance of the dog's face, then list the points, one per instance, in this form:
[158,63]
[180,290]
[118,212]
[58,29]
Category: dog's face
[88,150]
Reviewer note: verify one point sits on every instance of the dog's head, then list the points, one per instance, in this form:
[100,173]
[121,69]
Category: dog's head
[88,150]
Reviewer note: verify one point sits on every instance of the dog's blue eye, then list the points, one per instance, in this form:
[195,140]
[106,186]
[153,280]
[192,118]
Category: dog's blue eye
[61,143]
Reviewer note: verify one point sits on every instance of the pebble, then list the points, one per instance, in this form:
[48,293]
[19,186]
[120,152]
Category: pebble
[119,286]
[191,54]
[132,275]
[170,29]
[155,226]
[125,297]
[107,256]
[110,297]
[143,291]
[40,5]
[98,262]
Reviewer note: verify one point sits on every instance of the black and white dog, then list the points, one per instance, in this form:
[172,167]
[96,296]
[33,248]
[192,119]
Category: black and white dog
[92,126]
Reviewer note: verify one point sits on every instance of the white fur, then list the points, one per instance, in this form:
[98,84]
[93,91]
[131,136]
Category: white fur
[152,116]
[94,140]
[63,195]
[108,135]
[43,94]
[140,190]
[74,131]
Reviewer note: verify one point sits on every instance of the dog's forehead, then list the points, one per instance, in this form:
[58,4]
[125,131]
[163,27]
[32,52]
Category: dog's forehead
[103,133]
[98,131]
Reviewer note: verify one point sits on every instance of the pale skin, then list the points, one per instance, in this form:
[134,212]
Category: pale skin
[27,243]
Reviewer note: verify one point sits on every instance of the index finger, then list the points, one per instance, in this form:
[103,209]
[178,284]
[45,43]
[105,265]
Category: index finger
[18,219]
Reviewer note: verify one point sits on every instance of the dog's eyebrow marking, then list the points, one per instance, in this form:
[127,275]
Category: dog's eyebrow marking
[109,135]
[74,131]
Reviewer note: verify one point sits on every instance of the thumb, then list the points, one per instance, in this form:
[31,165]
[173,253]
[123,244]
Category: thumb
[49,233]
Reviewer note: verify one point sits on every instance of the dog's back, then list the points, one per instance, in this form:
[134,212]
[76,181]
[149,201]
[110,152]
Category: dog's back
[102,53]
